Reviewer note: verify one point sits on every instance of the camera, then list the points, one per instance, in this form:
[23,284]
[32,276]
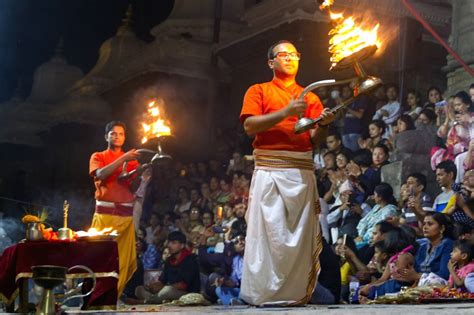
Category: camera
[458,188]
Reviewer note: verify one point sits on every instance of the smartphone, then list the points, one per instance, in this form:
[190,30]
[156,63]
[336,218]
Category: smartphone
[218,229]
[441,103]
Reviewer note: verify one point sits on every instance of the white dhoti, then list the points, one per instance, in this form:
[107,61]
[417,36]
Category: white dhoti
[281,260]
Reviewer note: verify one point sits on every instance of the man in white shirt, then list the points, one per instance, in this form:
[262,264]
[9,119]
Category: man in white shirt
[391,111]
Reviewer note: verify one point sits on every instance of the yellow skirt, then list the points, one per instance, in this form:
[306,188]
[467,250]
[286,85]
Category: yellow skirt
[125,242]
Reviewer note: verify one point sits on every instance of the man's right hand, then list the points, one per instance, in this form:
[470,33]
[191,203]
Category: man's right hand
[131,155]
[296,107]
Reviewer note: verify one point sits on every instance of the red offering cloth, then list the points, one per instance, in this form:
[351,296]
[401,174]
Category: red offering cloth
[101,257]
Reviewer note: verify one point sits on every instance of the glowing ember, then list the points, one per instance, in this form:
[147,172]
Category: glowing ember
[154,126]
[94,232]
[348,36]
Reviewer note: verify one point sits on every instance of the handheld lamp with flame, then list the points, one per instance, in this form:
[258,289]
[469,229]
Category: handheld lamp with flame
[154,126]
[350,44]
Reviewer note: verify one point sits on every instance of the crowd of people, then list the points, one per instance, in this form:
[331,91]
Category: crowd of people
[375,242]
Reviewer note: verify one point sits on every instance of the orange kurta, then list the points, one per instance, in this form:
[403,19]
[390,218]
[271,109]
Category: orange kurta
[116,215]
[111,189]
[268,97]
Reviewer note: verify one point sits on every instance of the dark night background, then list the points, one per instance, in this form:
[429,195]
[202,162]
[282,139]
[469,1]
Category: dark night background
[31,29]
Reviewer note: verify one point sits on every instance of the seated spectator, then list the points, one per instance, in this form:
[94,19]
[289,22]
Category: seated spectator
[228,289]
[467,159]
[318,156]
[195,198]
[413,103]
[463,212]
[434,96]
[325,97]
[400,246]
[416,201]
[213,264]
[433,255]
[346,269]
[323,174]
[239,225]
[445,175]
[238,164]
[461,264]
[405,123]
[128,295]
[384,208]
[215,188]
[327,291]
[183,203]
[376,135]
[353,123]
[240,192]
[226,190]
[378,98]
[392,110]
[380,156]
[426,119]
[169,222]
[334,144]
[155,233]
[362,260]
[206,202]
[361,171]
[150,256]
[346,214]
[337,177]
[229,216]
[195,226]
[456,131]
[180,274]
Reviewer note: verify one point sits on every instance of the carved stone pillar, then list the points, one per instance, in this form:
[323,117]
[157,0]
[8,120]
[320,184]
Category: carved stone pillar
[461,39]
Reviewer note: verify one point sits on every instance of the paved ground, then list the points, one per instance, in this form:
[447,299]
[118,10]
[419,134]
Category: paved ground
[457,309]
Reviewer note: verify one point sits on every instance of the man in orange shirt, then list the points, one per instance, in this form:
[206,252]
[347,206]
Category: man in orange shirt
[283,235]
[114,198]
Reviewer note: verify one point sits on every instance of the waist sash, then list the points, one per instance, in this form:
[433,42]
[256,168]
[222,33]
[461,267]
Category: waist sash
[114,208]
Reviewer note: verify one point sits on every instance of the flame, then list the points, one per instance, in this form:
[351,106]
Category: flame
[326,4]
[347,36]
[95,232]
[155,126]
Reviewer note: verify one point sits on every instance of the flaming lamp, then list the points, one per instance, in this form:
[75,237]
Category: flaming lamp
[154,126]
[350,44]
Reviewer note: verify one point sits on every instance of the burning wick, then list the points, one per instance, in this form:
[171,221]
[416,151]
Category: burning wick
[219,213]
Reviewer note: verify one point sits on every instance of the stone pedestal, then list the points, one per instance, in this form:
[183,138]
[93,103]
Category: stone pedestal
[411,156]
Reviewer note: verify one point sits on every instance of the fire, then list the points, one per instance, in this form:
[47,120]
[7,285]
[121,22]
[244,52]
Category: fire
[95,232]
[155,126]
[348,36]
[326,4]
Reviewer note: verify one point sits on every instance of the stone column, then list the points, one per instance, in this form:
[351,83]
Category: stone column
[461,40]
